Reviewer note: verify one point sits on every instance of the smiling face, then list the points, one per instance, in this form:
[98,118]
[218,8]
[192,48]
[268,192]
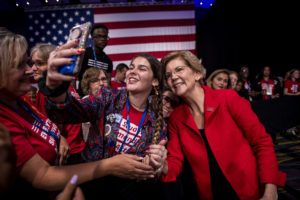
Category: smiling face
[220,81]
[139,77]
[180,77]
[19,79]
[39,66]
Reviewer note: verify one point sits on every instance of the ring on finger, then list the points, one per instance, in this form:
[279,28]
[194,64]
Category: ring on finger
[55,51]
[55,54]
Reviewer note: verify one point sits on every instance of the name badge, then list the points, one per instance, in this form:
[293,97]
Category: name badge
[118,118]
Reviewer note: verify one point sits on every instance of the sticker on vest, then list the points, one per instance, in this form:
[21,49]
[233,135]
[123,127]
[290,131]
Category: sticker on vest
[118,118]
[111,118]
[107,129]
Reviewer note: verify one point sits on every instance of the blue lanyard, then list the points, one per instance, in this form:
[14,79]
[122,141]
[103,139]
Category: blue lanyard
[36,117]
[128,125]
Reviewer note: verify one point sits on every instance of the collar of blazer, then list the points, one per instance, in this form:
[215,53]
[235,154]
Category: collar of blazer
[211,105]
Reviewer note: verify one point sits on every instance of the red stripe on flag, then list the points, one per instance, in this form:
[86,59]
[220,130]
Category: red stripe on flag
[126,9]
[151,23]
[152,39]
[129,56]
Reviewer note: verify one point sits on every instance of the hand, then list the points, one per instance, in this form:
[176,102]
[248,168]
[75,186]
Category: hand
[275,96]
[130,167]
[64,150]
[270,192]
[71,191]
[57,58]
[158,154]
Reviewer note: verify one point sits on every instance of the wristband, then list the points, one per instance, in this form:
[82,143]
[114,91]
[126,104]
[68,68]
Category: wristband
[52,92]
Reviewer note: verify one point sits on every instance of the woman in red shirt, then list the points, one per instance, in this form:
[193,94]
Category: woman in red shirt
[268,85]
[228,149]
[35,137]
[292,83]
[72,132]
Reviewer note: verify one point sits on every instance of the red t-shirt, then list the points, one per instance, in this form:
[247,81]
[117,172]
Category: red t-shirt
[268,87]
[72,132]
[26,137]
[118,85]
[40,102]
[292,86]
[134,117]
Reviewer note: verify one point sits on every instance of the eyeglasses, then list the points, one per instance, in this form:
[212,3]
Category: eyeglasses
[38,64]
[103,80]
[105,37]
[166,99]
[171,101]
[178,70]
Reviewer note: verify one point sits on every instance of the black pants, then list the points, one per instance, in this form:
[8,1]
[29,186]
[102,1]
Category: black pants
[122,189]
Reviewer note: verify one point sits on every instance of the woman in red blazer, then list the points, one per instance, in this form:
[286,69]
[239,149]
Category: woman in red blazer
[228,149]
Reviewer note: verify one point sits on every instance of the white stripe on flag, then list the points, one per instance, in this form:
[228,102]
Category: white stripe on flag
[141,16]
[150,47]
[127,62]
[133,32]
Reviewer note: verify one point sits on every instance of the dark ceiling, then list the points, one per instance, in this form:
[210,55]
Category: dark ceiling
[9,5]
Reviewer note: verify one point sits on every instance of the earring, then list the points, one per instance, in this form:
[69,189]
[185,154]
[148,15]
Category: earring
[156,91]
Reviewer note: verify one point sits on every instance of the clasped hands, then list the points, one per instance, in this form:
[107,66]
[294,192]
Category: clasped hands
[156,156]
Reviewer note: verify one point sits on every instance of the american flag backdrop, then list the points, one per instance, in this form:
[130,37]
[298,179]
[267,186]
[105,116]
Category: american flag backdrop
[53,26]
[154,29]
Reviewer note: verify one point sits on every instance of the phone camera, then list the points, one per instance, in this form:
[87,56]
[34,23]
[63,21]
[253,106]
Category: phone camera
[75,33]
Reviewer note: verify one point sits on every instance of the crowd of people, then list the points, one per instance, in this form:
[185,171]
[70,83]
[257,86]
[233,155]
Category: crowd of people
[131,135]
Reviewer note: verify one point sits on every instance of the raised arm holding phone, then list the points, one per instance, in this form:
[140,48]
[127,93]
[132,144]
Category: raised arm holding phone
[35,136]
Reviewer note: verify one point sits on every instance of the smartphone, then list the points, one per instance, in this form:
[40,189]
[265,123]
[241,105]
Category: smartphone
[80,32]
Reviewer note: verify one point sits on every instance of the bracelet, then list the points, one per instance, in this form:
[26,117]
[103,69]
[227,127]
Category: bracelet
[52,92]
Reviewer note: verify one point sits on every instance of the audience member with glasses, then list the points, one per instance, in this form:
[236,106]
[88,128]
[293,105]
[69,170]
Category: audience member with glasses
[93,79]
[95,56]
[70,150]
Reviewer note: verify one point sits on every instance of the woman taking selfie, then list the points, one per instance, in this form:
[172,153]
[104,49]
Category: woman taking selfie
[132,118]
[35,137]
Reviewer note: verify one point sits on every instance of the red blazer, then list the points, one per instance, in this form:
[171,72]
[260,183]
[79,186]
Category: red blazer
[239,142]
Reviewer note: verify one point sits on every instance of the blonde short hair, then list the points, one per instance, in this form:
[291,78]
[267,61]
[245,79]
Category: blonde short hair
[12,51]
[189,59]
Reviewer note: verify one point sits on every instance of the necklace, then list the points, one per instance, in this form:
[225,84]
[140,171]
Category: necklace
[142,107]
